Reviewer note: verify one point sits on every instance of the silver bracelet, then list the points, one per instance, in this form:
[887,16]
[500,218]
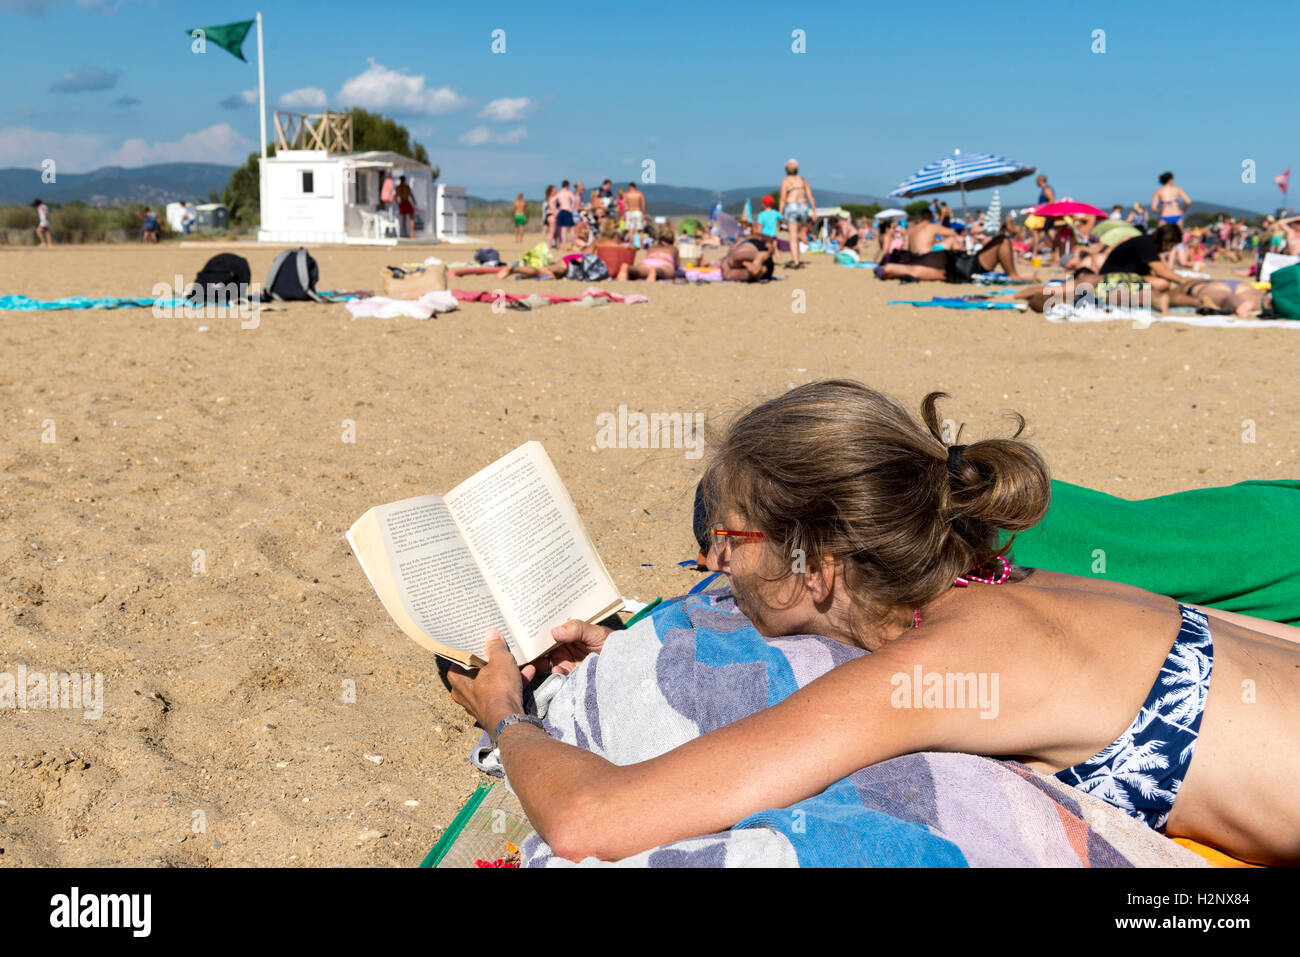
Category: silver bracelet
[510,719]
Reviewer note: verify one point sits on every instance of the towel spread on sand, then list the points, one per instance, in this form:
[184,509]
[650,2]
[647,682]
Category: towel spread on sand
[963,302]
[696,664]
[1094,312]
[591,292]
[382,307]
[997,279]
[1231,547]
[27,304]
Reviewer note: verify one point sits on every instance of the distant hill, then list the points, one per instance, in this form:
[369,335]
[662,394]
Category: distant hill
[170,182]
[665,200]
[161,183]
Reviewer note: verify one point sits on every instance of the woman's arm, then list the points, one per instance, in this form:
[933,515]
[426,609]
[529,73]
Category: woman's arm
[852,717]
[1263,625]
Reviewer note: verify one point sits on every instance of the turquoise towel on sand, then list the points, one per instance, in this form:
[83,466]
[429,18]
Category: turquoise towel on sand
[28,304]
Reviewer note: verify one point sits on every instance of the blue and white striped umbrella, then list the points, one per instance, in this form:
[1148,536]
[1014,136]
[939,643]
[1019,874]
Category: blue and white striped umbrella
[963,171]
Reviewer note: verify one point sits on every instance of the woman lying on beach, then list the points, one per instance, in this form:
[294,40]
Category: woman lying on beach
[660,260]
[838,514]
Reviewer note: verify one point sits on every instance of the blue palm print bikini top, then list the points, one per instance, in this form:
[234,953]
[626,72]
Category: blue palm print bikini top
[1141,772]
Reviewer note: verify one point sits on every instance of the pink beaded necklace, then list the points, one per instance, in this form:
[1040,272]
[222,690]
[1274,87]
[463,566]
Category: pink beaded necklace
[965,580]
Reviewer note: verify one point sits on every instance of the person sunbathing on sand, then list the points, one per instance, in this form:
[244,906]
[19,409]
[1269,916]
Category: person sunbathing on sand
[660,260]
[565,268]
[952,265]
[1217,297]
[1128,695]
[749,260]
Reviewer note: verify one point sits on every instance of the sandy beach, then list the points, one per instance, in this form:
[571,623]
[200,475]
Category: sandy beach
[183,532]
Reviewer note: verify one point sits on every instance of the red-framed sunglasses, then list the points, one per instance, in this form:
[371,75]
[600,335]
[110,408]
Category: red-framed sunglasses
[720,537]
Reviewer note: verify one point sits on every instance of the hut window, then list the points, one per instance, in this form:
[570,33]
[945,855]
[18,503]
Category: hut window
[308,184]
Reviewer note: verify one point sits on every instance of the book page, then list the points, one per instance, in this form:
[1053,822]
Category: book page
[525,532]
[435,580]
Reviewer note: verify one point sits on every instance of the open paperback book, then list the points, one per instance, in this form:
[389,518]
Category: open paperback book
[504,549]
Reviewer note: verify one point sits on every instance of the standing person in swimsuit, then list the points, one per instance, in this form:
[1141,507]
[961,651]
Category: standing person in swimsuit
[660,260]
[405,207]
[1116,691]
[520,211]
[42,224]
[565,204]
[548,216]
[1035,223]
[797,206]
[1169,203]
[634,210]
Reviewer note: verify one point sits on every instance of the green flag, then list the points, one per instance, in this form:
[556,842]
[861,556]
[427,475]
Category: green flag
[228,36]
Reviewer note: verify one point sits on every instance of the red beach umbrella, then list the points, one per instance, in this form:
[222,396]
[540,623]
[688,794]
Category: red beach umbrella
[1068,208]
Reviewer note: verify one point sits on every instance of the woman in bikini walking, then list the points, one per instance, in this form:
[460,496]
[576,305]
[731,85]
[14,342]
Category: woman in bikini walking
[798,208]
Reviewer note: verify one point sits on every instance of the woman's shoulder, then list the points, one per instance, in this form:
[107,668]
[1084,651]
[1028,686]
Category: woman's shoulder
[1044,612]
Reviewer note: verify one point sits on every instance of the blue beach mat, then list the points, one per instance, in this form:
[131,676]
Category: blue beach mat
[28,304]
[16,303]
[945,303]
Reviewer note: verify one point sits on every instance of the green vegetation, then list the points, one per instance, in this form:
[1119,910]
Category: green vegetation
[863,210]
[915,206]
[75,222]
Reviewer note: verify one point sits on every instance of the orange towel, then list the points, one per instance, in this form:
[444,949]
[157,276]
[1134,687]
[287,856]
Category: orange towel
[1215,856]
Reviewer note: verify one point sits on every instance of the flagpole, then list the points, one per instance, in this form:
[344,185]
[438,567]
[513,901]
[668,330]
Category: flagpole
[261,83]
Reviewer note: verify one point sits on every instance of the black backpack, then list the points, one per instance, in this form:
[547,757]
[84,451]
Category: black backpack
[292,277]
[223,280]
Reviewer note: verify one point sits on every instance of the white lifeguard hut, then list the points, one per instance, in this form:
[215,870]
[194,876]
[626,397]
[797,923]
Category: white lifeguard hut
[315,189]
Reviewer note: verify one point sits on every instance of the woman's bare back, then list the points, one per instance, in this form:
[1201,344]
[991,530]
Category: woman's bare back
[1099,647]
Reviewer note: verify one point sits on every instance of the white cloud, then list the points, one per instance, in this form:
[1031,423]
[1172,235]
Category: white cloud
[240,100]
[481,134]
[27,148]
[306,98]
[216,144]
[396,91]
[508,109]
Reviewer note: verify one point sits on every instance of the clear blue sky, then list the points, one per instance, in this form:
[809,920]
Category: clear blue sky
[712,91]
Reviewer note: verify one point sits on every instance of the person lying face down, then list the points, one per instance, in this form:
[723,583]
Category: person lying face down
[835,512]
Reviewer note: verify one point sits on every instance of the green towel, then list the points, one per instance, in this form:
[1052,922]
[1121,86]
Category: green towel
[1235,547]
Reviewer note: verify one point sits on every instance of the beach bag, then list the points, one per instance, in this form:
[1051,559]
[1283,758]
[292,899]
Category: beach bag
[292,277]
[589,268]
[222,280]
[487,256]
[1286,292]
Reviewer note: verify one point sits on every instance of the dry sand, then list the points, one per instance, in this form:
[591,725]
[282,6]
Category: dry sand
[224,690]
